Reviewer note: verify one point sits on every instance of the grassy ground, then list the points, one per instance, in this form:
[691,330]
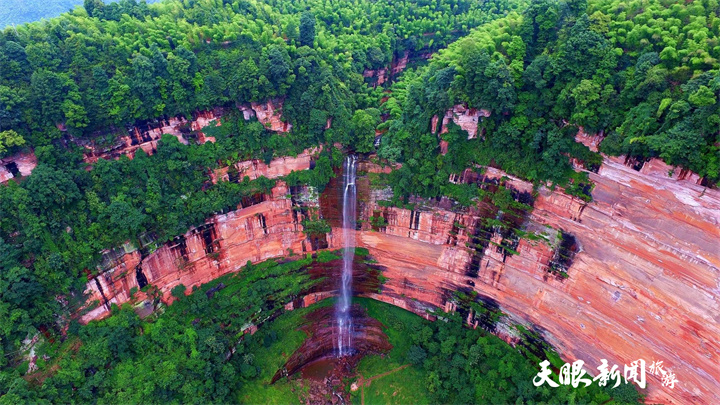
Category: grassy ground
[276,341]
[272,345]
[406,386]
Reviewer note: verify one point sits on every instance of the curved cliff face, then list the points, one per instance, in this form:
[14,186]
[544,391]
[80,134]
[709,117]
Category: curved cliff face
[643,284]
[642,263]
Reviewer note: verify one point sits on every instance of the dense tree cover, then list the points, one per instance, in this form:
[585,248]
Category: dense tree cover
[24,11]
[92,72]
[645,74]
[109,65]
[54,225]
[9,139]
[466,366]
[194,352]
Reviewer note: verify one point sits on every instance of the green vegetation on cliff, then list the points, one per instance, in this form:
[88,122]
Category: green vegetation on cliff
[111,65]
[198,351]
[195,352]
[644,74]
[454,364]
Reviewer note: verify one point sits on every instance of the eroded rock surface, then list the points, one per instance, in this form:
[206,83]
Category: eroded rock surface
[254,169]
[380,76]
[643,281]
[19,164]
[466,118]
[269,113]
[146,136]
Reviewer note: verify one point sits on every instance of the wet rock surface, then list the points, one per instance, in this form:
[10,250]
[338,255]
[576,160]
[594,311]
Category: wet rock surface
[316,359]
[643,281]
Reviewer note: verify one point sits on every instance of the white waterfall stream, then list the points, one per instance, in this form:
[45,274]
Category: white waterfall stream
[344,320]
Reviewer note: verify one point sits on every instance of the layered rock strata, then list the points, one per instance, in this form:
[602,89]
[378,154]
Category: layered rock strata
[263,227]
[634,274]
[642,284]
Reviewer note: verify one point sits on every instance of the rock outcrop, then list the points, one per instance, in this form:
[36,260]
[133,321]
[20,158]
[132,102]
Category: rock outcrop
[257,168]
[263,227]
[466,118]
[146,136]
[589,140]
[19,164]
[377,77]
[269,113]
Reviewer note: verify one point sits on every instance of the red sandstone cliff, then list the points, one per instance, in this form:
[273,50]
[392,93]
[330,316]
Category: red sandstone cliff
[269,113]
[256,232]
[380,76]
[643,283]
[263,227]
[465,118]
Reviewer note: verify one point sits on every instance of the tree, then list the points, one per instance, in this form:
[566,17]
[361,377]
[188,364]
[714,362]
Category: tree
[291,30]
[362,129]
[57,98]
[9,139]
[307,29]
[277,69]
[93,7]
[51,189]
[10,107]
[416,355]
[146,102]
[123,218]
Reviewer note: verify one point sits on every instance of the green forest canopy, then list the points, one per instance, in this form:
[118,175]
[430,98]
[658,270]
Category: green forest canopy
[644,73]
[16,12]
[96,70]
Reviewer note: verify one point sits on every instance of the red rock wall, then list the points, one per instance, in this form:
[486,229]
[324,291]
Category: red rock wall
[269,113]
[256,233]
[146,137]
[396,67]
[589,140]
[644,284]
[279,167]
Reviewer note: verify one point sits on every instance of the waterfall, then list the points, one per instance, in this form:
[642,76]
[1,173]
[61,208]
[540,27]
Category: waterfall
[344,321]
